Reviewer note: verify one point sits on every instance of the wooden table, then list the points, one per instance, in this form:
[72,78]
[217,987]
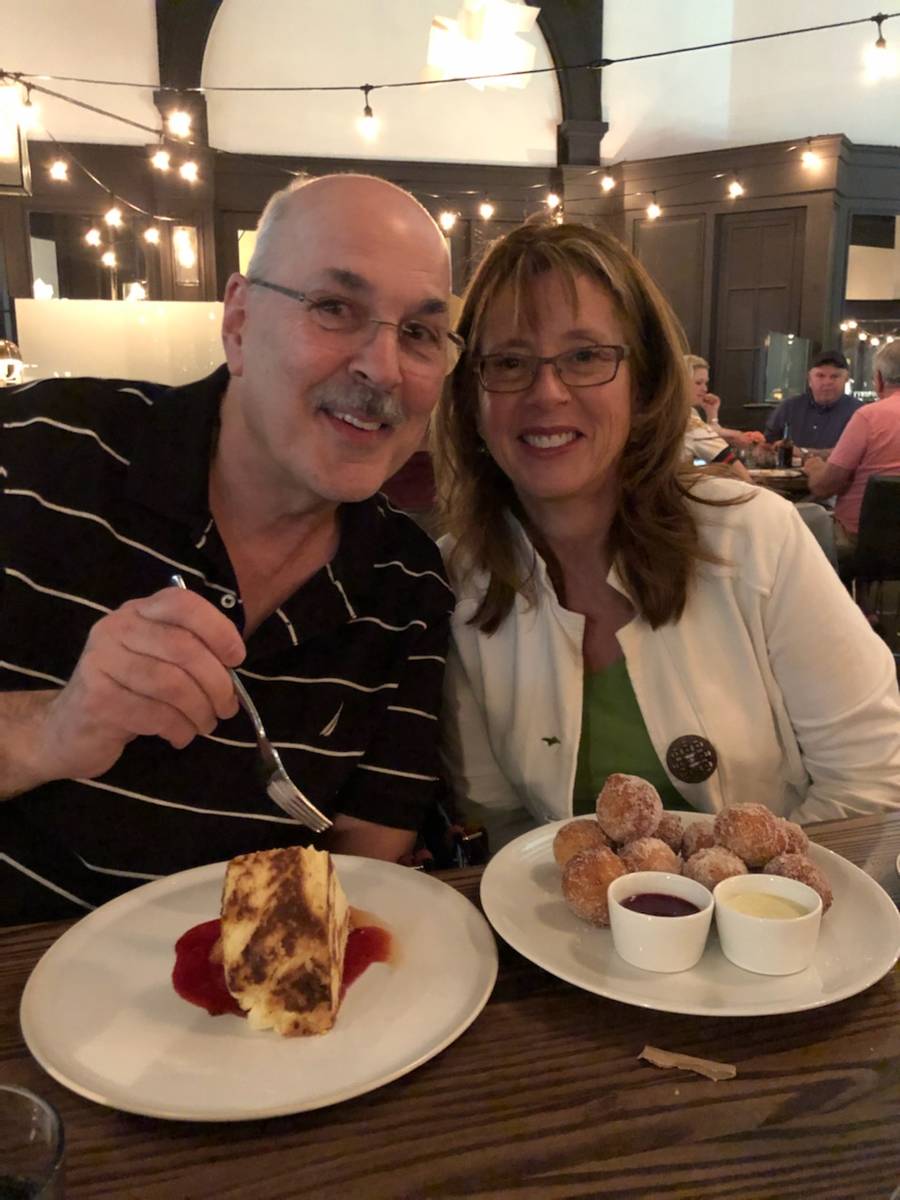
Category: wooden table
[543,1097]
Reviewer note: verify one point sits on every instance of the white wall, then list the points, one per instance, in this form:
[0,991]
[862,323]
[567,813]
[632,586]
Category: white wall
[356,42]
[734,96]
[160,341]
[91,39]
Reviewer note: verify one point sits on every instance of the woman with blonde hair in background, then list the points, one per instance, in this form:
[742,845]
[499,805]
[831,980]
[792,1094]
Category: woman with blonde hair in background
[617,611]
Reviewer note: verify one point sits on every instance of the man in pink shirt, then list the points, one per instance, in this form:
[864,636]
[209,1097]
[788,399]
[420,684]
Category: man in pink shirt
[870,445]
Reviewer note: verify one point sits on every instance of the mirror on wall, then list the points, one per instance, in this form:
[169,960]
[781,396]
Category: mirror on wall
[79,257]
[872,296]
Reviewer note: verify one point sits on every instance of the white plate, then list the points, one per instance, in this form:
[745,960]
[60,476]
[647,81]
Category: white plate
[859,941]
[100,1015]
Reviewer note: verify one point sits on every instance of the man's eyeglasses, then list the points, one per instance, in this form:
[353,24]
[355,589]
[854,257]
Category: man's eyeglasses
[423,346]
[585,366]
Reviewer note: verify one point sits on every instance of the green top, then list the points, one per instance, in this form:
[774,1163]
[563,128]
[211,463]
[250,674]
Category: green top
[614,738]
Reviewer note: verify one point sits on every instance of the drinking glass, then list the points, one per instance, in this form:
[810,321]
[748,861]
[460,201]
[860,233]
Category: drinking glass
[31,1147]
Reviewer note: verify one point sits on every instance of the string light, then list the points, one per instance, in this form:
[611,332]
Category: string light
[809,158]
[880,62]
[852,324]
[189,171]
[552,201]
[178,123]
[29,114]
[162,160]
[863,336]
[368,123]
[485,210]
[889,338]
[108,258]
[59,170]
[151,235]
[607,183]
[874,341]
[92,237]
[654,212]
[735,189]
[113,217]
[446,220]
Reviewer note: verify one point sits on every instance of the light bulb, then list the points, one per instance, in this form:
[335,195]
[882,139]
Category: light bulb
[851,324]
[653,210]
[735,189]
[863,337]
[189,171]
[162,160]
[447,220]
[844,326]
[874,341]
[368,123]
[92,237]
[889,338]
[552,201]
[809,158]
[59,169]
[151,235]
[880,62]
[29,114]
[485,210]
[108,258]
[179,123]
[607,183]
[113,217]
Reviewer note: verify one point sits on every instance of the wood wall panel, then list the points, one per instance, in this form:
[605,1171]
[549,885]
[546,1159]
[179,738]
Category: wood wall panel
[672,252]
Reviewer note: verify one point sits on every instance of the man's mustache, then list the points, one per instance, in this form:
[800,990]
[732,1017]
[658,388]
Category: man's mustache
[359,400]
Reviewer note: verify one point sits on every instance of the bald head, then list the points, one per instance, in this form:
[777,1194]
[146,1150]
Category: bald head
[347,205]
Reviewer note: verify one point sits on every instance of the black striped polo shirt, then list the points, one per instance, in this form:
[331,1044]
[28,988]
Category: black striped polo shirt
[104,497]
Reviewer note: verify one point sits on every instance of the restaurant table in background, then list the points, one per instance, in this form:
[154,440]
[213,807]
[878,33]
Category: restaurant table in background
[543,1098]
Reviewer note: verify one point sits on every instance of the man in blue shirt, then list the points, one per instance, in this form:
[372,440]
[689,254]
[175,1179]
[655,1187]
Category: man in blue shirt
[816,418]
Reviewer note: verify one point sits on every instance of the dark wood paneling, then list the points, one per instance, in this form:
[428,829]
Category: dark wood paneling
[673,254]
[757,290]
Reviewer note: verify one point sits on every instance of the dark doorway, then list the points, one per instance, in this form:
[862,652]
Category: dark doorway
[757,290]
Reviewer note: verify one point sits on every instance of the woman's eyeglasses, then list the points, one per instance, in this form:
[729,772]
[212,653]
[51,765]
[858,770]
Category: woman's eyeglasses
[585,366]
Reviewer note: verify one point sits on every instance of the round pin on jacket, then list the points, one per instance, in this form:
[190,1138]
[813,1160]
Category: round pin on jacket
[692,758]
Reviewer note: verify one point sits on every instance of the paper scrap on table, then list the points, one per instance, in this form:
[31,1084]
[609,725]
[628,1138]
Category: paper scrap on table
[702,1066]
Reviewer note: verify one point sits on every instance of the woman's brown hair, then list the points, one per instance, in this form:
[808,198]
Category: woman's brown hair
[653,537]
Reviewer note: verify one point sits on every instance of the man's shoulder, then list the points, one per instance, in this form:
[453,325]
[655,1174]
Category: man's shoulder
[86,401]
[405,561]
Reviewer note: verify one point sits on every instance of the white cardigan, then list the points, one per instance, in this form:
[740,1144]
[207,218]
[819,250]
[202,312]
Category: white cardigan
[771,661]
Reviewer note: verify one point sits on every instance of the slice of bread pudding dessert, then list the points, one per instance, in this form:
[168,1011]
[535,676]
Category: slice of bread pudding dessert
[285,921]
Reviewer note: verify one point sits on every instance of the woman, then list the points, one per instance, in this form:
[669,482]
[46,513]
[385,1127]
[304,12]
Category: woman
[617,612]
[707,404]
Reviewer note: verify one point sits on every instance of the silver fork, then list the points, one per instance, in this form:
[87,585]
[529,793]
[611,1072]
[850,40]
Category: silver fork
[278,784]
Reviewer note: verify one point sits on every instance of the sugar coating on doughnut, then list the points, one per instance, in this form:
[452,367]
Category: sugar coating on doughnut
[585,881]
[796,841]
[670,830]
[713,864]
[628,808]
[699,835]
[576,836]
[650,854]
[803,869]
[751,831]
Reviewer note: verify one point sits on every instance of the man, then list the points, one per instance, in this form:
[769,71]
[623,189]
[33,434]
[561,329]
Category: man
[121,744]
[816,418]
[870,445]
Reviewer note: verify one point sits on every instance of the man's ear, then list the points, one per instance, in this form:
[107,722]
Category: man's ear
[234,320]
